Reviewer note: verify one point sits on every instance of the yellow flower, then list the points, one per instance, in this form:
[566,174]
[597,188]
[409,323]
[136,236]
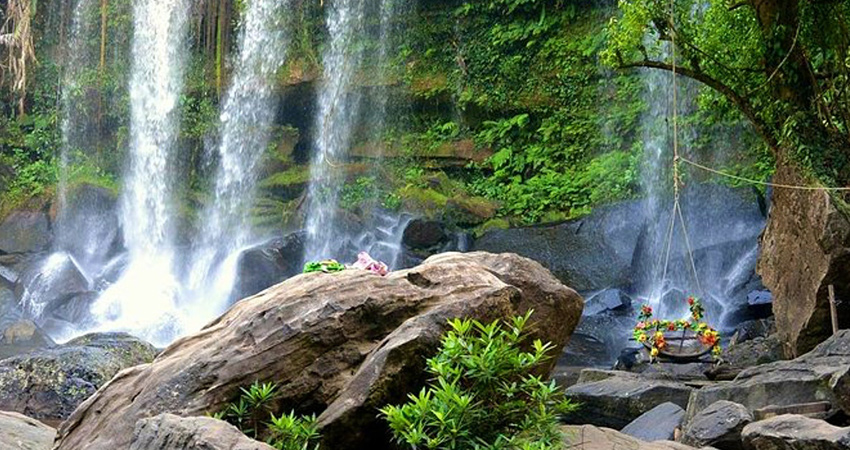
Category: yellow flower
[654,352]
[659,335]
[642,338]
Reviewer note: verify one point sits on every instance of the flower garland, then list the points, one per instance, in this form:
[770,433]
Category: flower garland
[650,331]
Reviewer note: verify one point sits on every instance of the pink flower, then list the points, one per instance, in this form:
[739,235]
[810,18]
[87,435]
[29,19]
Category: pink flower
[366,262]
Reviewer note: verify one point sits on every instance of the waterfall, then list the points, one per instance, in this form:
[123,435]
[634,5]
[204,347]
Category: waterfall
[246,119]
[144,300]
[724,249]
[77,57]
[338,110]
[340,104]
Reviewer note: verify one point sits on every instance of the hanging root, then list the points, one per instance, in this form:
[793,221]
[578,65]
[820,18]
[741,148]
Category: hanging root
[18,52]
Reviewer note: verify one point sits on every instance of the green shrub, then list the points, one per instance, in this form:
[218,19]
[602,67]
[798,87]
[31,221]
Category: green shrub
[485,394]
[291,432]
[253,414]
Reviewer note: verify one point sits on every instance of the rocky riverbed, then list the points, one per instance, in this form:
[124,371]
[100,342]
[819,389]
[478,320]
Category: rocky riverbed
[342,345]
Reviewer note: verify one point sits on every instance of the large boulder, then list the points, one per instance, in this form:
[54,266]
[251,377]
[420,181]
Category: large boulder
[794,432]
[18,432]
[591,253]
[267,264]
[589,437]
[170,432]
[719,425]
[422,234]
[820,375]
[805,248]
[342,344]
[614,399]
[25,232]
[49,384]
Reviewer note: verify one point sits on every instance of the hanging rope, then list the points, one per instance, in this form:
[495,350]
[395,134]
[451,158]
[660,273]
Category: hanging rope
[762,183]
[676,214]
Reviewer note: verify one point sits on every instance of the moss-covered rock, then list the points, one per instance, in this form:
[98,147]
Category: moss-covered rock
[49,384]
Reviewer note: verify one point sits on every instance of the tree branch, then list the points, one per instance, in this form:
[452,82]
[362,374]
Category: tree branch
[741,102]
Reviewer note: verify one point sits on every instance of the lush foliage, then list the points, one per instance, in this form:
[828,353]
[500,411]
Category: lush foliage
[651,331]
[521,80]
[253,414]
[485,393]
[782,65]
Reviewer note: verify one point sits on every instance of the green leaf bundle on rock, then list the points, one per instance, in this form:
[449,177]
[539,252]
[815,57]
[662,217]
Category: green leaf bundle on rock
[485,394]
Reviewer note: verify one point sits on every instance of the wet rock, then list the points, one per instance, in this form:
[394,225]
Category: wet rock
[753,352]
[629,358]
[9,310]
[424,234]
[806,248]
[606,300]
[170,432]
[759,298]
[589,254]
[794,432]
[657,424]
[8,277]
[719,426]
[691,371]
[18,432]
[614,399]
[22,336]
[76,309]
[343,343]
[267,264]
[48,282]
[820,375]
[599,338]
[88,227]
[25,232]
[49,384]
[760,304]
[589,437]
[752,329]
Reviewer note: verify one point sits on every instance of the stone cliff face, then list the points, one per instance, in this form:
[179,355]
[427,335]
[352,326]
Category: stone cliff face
[805,248]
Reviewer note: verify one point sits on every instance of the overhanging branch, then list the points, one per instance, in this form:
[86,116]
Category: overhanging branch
[741,102]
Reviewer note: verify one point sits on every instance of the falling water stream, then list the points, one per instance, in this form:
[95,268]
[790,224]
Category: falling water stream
[340,105]
[246,120]
[33,299]
[712,241]
[77,58]
[338,111]
[144,301]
